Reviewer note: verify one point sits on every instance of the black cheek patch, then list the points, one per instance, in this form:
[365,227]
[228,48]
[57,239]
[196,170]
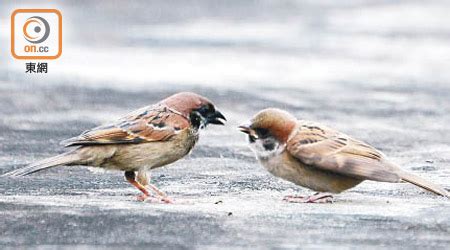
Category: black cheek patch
[195,120]
[269,146]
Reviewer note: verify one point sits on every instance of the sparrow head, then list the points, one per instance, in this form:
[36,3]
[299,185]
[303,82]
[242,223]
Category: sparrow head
[197,108]
[269,130]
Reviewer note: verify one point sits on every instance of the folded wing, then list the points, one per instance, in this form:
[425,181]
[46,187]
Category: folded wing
[327,149]
[148,124]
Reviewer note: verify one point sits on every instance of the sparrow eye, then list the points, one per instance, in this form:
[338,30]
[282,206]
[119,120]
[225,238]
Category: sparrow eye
[195,120]
[206,109]
[211,108]
[262,133]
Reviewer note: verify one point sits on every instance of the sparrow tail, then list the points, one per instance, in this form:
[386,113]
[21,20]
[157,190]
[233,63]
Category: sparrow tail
[62,159]
[420,182]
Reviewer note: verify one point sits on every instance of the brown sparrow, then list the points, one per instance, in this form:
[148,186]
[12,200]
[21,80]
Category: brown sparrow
[320,158]
[147,138]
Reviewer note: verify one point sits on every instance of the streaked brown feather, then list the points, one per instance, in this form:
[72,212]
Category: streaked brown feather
[148,124]
[327,149]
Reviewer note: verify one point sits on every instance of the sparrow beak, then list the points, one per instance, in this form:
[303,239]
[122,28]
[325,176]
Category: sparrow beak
[246,128]
[216,118]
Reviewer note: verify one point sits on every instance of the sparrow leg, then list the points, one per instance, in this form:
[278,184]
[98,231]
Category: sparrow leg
[161,194]
[142,179]
[316,198]
[130,176]
[156,190]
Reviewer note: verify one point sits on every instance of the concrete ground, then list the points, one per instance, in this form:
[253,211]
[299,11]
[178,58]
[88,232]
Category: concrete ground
[223,197]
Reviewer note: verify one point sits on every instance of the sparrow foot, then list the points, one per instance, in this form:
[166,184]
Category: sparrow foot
[165,199]
[316,198]
[154,199]
[144,197]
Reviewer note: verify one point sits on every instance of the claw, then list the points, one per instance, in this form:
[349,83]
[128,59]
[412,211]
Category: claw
[166,200]
[142,197]
[154,199]
[316,198]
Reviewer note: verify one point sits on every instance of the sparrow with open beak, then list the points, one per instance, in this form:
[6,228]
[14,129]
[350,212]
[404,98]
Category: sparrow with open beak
[147,138]
[320,158]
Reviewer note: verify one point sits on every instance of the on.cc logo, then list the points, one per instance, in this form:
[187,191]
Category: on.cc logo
[36,29]
[36,34]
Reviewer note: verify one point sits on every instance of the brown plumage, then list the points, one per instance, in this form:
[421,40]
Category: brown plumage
[145,139]
[320,158]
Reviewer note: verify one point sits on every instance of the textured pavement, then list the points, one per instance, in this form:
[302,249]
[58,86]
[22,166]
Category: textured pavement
[223,197]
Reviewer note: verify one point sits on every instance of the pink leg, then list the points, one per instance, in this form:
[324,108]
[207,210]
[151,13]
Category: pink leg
[153,199]
[145,196]
[316,198]
[161,195]
[156,190]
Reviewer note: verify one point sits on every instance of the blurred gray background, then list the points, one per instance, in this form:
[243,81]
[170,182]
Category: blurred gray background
[377,70]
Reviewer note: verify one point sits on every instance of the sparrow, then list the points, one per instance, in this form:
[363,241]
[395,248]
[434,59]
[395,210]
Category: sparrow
[148,138]
[320,158]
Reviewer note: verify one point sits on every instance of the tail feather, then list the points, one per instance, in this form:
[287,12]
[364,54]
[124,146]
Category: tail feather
[420,182]
[62,159]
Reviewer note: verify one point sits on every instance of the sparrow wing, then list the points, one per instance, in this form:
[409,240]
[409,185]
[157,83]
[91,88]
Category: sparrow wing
[327,149]
[148,124]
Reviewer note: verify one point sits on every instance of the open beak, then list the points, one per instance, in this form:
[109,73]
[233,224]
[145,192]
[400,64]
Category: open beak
[216,118]
[246,128]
